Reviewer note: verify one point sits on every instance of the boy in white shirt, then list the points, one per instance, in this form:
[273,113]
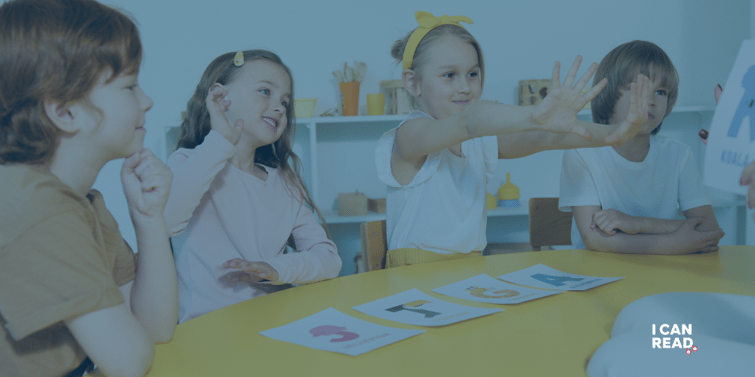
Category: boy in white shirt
[626,198]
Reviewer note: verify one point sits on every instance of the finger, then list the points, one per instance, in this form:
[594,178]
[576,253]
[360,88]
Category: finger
[556,77]
[590,94]
[236,263]
[131,162]
[645,99]
[581,131]
[747,174]
[717,92]
[569,81]
[582,83]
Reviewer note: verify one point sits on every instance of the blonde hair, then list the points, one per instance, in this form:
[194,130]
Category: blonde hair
[420,58]
[196,125]
[622,65]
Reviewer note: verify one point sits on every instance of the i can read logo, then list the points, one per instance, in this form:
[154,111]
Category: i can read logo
[413,306]
[682,340]
[325,330]
[483,292]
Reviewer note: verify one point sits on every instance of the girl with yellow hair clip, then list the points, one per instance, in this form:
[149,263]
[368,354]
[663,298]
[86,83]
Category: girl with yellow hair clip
[437,163]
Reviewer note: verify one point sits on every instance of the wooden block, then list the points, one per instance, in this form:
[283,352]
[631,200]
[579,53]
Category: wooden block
[376,205]
[352,204]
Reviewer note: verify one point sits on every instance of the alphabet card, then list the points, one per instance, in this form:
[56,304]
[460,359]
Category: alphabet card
[417,308]
[731,138]
[331,330]
[485,288]
[542,276]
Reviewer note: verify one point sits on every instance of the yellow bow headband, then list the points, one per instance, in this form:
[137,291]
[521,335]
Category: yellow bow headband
[427,22]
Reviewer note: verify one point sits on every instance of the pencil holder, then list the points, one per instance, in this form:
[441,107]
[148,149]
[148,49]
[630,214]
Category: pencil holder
[349,98]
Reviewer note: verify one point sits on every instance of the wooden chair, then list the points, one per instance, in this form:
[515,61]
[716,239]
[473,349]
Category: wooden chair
[374,245]
[548,225]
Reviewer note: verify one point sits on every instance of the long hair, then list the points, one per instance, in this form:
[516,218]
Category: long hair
[55,50]
[278,155]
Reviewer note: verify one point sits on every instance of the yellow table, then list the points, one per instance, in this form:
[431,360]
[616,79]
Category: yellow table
[553,336]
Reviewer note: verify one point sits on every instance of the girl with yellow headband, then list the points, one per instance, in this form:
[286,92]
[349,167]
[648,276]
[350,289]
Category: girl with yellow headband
[437,163]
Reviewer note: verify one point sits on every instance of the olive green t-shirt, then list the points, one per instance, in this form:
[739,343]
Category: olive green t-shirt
[61,256]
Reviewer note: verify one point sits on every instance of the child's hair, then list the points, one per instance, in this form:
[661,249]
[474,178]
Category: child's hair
[196,124]
[55,50]
[420,58]
[622,65]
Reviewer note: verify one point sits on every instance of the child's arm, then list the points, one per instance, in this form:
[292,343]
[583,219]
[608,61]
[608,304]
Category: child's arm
[194,173]
[527,143]
[419,137]
[683,240]
[316,257]
[115,340]
[154,294]
[706,213]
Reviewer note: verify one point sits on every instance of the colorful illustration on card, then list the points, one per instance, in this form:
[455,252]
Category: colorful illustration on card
[485,288]
[542,276]
[324,330]
[417,308]
[414,307]
[731,137]
[349,335]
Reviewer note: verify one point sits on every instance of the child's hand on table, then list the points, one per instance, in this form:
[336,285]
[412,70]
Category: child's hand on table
[258,271]
[217,106]
[146,182]
[637,116]
[558,111]
[694,241]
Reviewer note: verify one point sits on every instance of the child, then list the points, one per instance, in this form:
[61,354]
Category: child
[625,198]
[438,162]
[72,291]
[240,200]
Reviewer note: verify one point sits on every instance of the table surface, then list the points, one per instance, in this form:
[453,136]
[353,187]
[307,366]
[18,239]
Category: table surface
[551,336]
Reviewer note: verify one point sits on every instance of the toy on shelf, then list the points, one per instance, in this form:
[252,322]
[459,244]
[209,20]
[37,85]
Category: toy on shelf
[352,204]
[398,100]
[376,205]
[491,201]
[508,194]
[304,107]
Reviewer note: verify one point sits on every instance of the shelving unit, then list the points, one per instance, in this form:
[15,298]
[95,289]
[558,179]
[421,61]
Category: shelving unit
[338,155]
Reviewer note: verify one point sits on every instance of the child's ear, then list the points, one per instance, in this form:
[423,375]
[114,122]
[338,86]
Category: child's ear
[410,82]
[61,116]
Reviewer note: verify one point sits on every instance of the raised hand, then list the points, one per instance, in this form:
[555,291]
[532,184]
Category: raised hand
[216,106]
[558,111]
[637,116]
[611,220]
[258,271]
[146,183]
[693,241]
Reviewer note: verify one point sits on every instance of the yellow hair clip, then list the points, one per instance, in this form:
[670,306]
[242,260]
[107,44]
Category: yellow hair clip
[427,22]
[238,60]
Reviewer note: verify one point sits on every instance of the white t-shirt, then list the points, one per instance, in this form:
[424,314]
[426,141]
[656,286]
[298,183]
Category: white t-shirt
[444,208]
[663,184]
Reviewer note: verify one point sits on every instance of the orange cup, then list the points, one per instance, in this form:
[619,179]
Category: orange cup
[350,98]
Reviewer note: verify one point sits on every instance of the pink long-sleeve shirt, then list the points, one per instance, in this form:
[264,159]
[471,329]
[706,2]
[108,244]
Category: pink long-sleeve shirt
[217,212]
